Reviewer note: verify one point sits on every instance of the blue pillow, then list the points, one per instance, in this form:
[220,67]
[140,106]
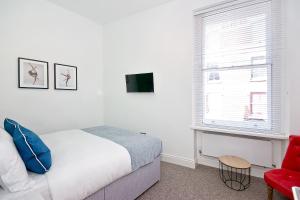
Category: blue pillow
[10,126]
[35,154]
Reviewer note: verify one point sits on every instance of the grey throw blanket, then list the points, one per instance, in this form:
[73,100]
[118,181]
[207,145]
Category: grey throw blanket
[143,149]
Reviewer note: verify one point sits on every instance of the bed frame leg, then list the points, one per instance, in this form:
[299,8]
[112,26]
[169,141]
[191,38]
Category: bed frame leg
[270,193]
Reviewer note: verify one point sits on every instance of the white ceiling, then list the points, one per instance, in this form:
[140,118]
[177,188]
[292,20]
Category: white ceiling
[103,11]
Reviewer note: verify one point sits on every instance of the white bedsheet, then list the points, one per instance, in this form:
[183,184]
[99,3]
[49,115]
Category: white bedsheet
[83,163]
[40,191]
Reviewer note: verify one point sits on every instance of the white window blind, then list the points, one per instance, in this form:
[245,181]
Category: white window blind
[237,81]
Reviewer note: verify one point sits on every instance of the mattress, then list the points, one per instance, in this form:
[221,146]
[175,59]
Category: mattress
[143,149]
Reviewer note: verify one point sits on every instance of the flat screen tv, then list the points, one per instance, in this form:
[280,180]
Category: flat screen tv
[140,82]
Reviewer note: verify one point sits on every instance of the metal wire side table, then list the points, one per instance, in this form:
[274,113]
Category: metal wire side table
[235,172]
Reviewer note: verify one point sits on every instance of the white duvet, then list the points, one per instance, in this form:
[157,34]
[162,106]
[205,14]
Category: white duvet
[40,190]
[83,163]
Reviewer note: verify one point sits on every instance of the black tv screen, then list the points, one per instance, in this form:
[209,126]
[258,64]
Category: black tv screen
[140,82]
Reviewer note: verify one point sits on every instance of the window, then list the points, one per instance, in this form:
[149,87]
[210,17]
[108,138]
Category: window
[258,74]
[214,77]
[258,108]
[237,47]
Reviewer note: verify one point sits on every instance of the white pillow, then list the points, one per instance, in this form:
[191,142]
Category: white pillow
[13,173]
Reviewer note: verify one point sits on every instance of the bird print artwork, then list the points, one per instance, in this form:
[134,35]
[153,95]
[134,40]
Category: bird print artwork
[33,73]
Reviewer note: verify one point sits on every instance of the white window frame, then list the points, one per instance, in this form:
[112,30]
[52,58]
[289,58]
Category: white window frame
[198,82]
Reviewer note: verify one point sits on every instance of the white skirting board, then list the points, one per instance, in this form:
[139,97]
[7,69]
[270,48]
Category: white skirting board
[213,162]
[178,160]
[207,161]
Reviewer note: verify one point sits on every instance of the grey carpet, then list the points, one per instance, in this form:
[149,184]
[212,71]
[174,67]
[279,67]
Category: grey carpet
[181,183]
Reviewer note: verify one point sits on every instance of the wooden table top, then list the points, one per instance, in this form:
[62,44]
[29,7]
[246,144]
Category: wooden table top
[234,161]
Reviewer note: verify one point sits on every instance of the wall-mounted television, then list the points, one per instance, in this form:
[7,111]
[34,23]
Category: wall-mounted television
[139,82]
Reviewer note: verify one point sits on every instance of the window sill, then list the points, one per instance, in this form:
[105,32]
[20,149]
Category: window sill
[241,133]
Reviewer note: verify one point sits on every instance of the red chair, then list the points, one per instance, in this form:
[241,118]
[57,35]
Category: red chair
[288,176]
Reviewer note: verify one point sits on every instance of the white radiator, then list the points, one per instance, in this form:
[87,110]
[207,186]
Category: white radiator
[257,152]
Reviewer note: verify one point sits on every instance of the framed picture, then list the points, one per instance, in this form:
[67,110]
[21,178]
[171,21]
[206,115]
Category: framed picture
[65,77]
[33,74]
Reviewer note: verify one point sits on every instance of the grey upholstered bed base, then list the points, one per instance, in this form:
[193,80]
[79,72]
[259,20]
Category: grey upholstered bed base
[131,186]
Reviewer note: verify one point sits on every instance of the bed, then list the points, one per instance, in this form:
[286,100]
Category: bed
[99,163]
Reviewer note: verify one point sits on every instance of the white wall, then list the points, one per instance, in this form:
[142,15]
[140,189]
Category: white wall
[293,64]
[38,29]
[160,40]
